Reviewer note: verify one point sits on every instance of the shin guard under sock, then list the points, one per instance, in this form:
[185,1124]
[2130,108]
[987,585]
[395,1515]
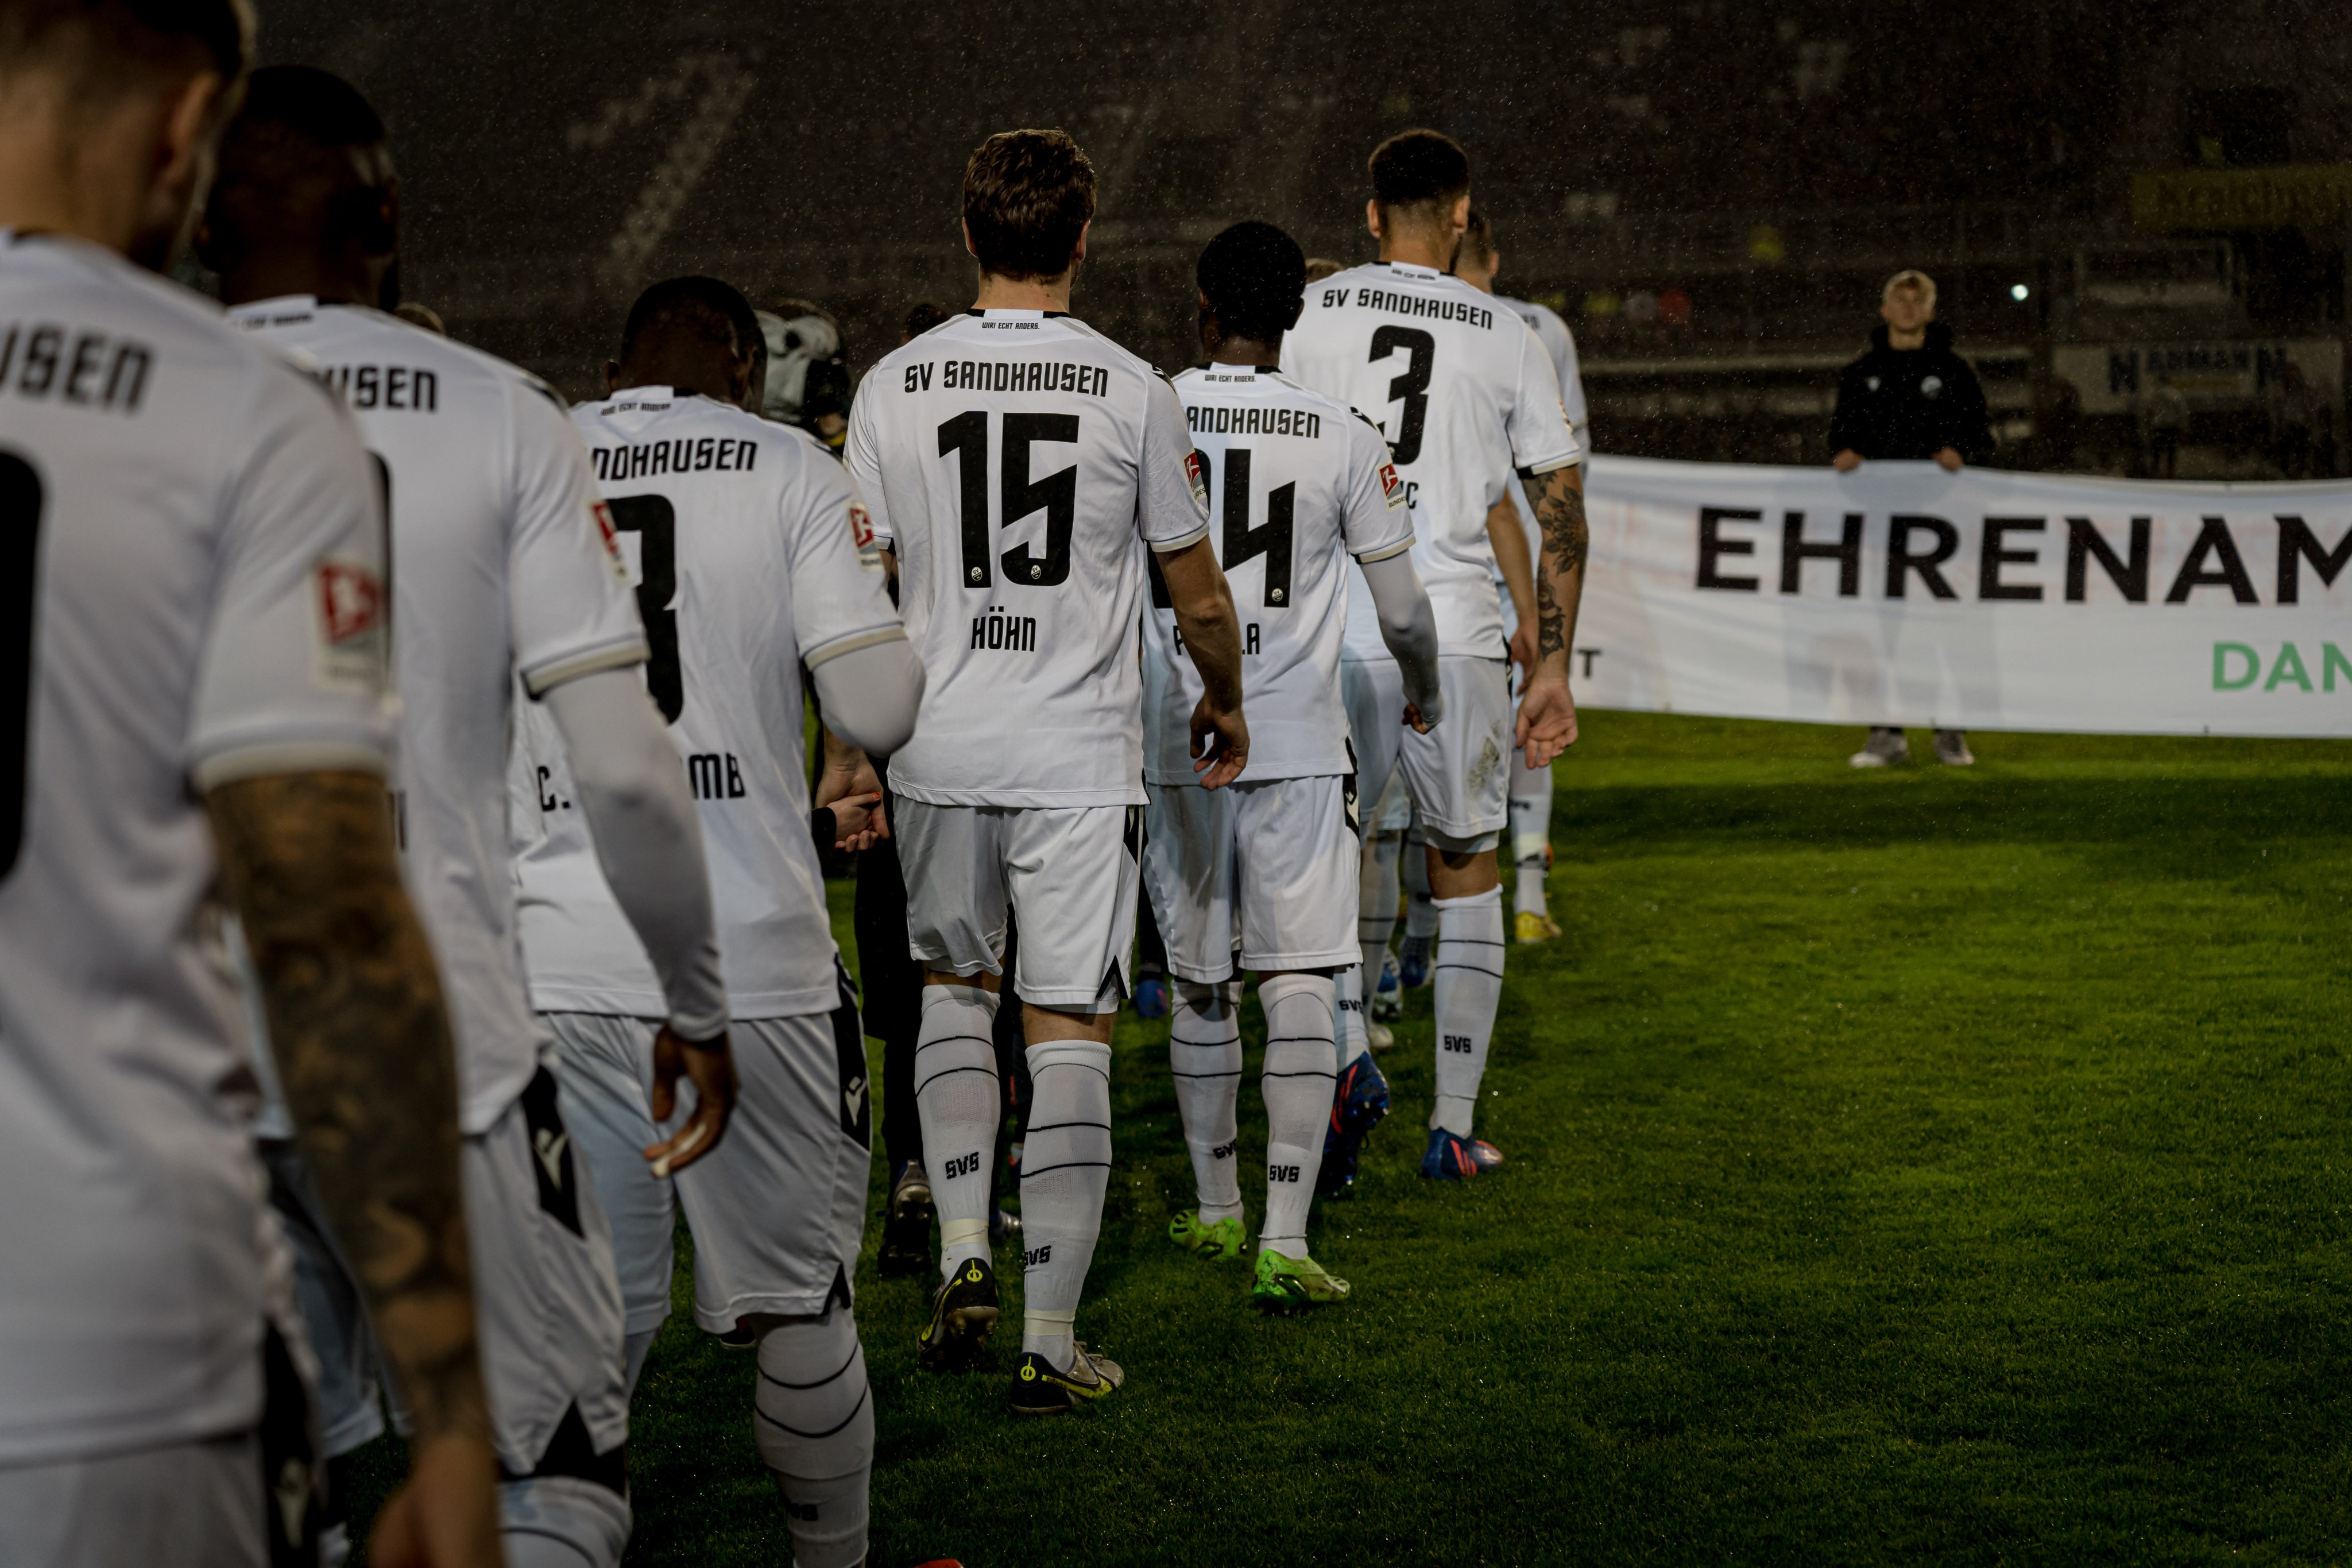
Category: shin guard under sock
[1376,903]
[1204,1055]
[1468,976]
[1420,909]
[1298,1081]
[1347,993]
[1065,1167]
[956,1093]
[814,1426]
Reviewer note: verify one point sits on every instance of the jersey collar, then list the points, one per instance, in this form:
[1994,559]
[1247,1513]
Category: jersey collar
[1412,269]
[1005,314]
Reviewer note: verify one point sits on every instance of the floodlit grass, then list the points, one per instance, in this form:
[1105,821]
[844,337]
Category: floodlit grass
[1933,1165]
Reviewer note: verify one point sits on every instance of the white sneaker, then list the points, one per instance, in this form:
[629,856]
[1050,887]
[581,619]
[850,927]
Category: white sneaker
[1885,748]
[1952,749]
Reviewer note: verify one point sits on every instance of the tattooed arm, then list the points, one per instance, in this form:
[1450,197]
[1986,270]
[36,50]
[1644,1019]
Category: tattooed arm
[363,1045]
[1547,723]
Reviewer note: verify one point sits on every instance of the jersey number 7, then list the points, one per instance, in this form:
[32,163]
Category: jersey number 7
[654,522]
[20,555]
[1056,494]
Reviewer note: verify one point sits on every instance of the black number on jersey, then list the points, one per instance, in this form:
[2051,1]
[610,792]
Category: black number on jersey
[1056,494]
[1412,388]
[20,555]
[654,522]
[1243,542]
[391,608]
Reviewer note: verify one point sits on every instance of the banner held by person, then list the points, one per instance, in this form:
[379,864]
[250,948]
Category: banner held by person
[1902,594]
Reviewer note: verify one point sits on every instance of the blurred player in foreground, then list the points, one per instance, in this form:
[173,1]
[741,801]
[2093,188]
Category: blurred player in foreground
[504,578]
[746,535]
[194,627]
[1019,464]
[1465,394]
[1262,874]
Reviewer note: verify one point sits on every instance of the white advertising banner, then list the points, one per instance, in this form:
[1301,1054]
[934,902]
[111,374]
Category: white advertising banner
[1982,600]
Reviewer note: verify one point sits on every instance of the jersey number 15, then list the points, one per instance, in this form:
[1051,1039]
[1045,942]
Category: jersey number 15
[966,435]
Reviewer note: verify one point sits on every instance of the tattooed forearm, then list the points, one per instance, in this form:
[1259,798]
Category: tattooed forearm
[1558,501]
[362,1040]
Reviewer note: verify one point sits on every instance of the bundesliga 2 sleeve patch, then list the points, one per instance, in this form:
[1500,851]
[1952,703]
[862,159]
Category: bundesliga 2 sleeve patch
[605,531]
[861,534]
[347,624]
[1391,486]
[1200,485]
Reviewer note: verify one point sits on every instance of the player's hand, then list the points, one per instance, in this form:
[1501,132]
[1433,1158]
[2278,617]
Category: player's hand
[1220,745]
[1547,724]
[857,821]
[1949,459]
[711,1067]
[1523,647]
[447,1516]
[1846,461]
[1423,720]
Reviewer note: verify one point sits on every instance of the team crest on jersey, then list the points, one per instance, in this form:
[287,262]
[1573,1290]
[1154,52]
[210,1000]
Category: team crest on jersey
[348,625]
[612,539]
[1391,486]
[1200,485]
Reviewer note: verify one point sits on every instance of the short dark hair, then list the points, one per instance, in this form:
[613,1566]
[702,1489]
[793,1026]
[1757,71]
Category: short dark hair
[95,39]
[922,318]
[1418,168]
[1027,197]
[1478,236]
[285,167]
[696,307]
[1254,278]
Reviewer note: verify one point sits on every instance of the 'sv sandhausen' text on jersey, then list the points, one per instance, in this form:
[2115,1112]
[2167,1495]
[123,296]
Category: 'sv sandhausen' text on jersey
[743,537]
[1298,483]
[191,594]
[501,569]
[1464,393]
[1021,463]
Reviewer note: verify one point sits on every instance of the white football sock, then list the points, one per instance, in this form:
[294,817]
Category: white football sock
[1348,992]
[639,1345]
[1419,912]
[1468,979]
[1530,830]
[1204,1055]
[1376,901]
[1065,1166]
[562,1521]
[1297,1084]
[956,1096]
[815,1430]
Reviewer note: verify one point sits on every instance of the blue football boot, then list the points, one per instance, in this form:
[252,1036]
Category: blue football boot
[1449,1158]
[1358,1100]
[1388,996]
[1413,963]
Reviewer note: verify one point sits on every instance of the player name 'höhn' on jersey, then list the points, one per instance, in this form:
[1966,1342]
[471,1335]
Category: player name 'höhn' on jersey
[1298,483]
[1020,464]
[500,570]
[743,539]
[1465,393]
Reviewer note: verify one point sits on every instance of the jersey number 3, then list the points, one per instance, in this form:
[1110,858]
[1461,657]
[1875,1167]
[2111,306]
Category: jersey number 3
[654,522]
[1412,388]
[20,554]
[1057,495]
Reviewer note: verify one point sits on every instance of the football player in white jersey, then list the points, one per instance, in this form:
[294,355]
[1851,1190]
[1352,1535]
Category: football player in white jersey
[746,537]
[193,624]
[1262,874]
[1465,393]
[1476,266]
[1020,465]
[503,576]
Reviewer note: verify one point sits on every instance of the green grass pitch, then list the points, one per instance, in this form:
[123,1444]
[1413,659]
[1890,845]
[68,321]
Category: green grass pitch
[1930,1165]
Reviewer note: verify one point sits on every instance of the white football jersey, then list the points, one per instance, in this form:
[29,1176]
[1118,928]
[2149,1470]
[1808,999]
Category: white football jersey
[743,539]
[1559,343]
[1297,484]
[1020,464]
[500,569]
[1464,393]
[192,593]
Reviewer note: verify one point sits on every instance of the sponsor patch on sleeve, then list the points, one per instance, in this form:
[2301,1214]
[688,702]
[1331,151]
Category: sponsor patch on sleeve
[1200,485]
[612,538]
[348,618]
[861,534]
[1391,486]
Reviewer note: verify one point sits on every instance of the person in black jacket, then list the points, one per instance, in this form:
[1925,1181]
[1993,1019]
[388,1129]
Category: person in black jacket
[1911,397]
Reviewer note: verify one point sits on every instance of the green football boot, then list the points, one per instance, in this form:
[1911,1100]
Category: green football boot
[1039,1390]
[1218,1241]
[963,1314]
[1294,1284]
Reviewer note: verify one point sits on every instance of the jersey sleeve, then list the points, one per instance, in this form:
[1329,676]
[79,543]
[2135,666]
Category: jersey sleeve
[1172,498]
[862,455]
[1376,523]
[291,675]
[1562,344]
[568,600]
[1540,439]
[839,604]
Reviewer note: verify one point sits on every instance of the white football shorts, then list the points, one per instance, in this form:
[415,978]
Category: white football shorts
[778,1209]
[1069,874]
[1271,866]
[1460,772]
[1373,690]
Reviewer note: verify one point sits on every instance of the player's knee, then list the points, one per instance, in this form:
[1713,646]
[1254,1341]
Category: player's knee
[562,1521]
[1046,1054]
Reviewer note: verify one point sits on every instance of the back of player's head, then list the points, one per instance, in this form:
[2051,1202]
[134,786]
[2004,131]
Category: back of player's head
[1320,267]
[1478,239]
[920,319]
[1254,276]
[105,45]
[693,311]
[304,162]
[1418,169]
[1027,197]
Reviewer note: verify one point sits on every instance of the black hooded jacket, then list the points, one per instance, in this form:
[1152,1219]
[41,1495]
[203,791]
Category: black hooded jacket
[1911,402]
